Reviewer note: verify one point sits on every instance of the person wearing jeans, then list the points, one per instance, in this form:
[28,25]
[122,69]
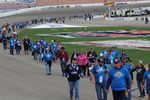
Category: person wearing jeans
[73,85]
[11,46]
[140,70]
[126,64]
[98,77]
[63,55]
[73,73]
[48,65]
[18,47]
[47,58]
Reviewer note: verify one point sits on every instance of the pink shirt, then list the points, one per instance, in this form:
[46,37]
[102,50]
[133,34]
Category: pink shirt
[82,59]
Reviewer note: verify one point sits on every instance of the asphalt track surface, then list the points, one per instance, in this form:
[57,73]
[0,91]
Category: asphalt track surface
[22,78]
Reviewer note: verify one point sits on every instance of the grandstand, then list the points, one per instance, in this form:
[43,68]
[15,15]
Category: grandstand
[61,2]
[19,4]
[16,4]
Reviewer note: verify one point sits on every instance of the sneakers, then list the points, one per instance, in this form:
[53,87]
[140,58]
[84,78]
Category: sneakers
[142,96]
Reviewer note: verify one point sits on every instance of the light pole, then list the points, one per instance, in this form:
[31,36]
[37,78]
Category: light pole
[109,4]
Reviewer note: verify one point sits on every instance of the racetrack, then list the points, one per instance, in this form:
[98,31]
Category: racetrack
[22,78]
[55,12]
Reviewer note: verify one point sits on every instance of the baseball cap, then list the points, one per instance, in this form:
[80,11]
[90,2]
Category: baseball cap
[52,41]
[117,61]
[100,60]
[140,62]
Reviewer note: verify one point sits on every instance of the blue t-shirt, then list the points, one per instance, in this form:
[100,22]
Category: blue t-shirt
[45,44]
[119,78]
[147,77]
[11,43]
[18,43]
[38,44]
[54,47]
[99,73]
[30,43]
[1,36]
[104,52]
[42,41]
[34,47]
[116,52]
[110,58]
[48,57]
[128,66]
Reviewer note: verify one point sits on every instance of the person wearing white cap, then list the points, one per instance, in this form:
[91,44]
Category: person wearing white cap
[140,69]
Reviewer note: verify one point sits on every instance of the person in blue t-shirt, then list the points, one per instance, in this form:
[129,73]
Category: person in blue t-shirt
[119,79]
[147,81]
[35,51]
[11,46]
[30,45]
[47,58]
[98,77]
[18,46]
[114,51]
[128,66]
[110,57]
[123,54]
[54,48]
[104,51]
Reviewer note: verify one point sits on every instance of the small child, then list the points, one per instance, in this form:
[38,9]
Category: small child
[147,81]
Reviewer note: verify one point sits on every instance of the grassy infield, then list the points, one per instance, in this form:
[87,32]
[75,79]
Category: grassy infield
[135,55]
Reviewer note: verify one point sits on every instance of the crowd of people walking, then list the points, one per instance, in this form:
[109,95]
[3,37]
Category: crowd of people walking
[106,68]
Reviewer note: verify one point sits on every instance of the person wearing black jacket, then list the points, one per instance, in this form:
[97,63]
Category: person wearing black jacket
[92,55]
[4,41]
[73,73]
[140,69]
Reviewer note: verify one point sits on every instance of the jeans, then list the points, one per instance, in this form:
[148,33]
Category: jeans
[100,89]
[4,45]
[119,95]
[74,85]
[139,85]
[83,67]
[48,65]
[63,65]
[18,50]
[11,51]
[35,55]
[129,95]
